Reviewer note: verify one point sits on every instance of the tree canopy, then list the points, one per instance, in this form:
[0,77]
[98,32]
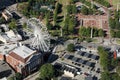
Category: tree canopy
[84,10]
[47,71]
[105,76]
[17,76]
[70,47]
[12,24]
[104,58]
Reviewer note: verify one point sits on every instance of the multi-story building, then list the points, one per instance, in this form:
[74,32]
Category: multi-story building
[22,59]
[7,15]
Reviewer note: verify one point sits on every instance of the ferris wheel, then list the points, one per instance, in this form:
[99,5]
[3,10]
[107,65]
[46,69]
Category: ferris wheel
[41,37]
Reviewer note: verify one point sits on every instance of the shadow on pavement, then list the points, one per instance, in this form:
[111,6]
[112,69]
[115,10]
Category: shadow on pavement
[5,73]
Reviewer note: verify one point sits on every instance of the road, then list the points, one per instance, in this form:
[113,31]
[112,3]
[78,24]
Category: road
[95,45]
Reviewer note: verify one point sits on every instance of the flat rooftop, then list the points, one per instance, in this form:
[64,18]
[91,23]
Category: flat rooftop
[23,51]
[6,48]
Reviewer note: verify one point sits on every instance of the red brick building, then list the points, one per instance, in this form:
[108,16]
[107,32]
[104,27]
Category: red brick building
[23,59]
[1,56]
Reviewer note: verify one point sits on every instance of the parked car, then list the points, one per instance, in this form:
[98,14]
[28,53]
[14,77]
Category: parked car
[86,74]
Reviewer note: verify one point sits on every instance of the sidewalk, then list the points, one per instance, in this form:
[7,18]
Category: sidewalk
[32,76]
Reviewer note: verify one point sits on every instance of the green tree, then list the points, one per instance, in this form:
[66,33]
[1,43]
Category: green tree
[114,62]
[71,25]
[104,58]
[82,31]
[115,76]
[47,71]
[84,10]
[49,26]
[100,49]
[104,61]
[112,32]
[112,23]
[95,32]
[88,32]
[11,78]
[105,76]
[118,69]
[55,18]
[74,9]
[24,25]
[18,76]
[12,24]
[117,34]
[66,24]
[70,47]
[101,33]
[69,9]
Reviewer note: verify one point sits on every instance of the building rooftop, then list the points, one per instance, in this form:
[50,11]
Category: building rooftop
[6,48]
[23,51]
[10,36]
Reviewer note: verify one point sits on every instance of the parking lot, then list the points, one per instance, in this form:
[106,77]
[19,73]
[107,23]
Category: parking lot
[87,61]
[5,70]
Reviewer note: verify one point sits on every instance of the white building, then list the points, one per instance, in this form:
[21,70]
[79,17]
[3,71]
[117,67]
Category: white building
[10,36]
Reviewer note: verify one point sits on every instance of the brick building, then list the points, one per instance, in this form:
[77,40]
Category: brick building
[22,59]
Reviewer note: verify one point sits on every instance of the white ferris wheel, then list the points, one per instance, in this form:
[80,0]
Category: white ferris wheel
[41,37]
